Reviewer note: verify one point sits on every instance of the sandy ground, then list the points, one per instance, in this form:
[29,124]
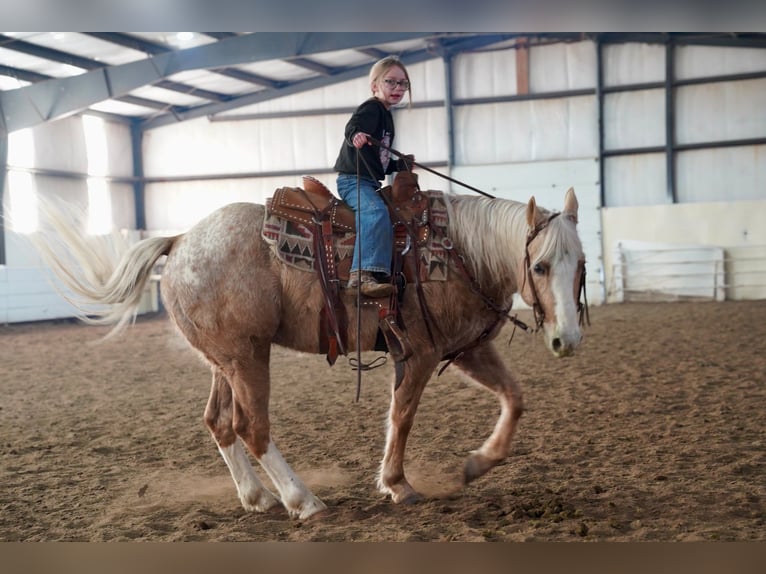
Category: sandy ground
[654,431]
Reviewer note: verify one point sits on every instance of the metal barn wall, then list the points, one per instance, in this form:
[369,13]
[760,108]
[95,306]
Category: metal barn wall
[28,292]
[511,135]
[718,189]
[245,154]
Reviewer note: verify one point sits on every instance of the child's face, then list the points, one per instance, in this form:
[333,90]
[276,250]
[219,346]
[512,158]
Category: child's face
[391,86]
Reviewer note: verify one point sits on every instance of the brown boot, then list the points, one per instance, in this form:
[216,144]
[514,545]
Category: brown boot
[370,287]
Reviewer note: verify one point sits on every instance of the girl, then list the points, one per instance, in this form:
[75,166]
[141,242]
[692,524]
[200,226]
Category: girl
[389,82]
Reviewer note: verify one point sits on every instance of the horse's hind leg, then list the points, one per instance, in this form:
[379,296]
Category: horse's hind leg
[250,383]
[404,405]
[483,365]
[219,419]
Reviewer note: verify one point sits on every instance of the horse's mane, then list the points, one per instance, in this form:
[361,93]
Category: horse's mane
[486,229]
[492,234]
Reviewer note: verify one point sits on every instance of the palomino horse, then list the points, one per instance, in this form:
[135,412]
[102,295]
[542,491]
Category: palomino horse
[232,299]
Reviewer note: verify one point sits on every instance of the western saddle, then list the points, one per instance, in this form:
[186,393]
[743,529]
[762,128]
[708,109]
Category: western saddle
[315,207]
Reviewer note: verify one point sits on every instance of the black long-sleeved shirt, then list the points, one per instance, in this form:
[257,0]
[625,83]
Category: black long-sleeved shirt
[372,118]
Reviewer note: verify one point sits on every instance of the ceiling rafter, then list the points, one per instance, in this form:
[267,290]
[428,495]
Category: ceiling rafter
[29,76]
[408,58]
[24,75]
[154,48]
[50,96]
[90,65]
[50,99]
[313,66]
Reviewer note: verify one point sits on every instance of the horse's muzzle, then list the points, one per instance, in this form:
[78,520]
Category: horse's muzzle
[564,346]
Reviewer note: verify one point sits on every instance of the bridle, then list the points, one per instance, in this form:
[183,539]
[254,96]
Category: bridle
[537,309]
[501,312]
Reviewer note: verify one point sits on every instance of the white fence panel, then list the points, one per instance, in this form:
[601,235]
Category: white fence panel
[655,271]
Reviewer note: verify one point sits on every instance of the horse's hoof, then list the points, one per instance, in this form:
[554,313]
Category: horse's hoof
[412,498]
[476,465]
[260,501]
[308,509]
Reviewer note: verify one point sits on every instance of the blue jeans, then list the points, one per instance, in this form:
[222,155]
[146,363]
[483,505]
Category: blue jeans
[374,232]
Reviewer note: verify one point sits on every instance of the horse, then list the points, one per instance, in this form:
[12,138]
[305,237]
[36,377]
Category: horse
[232,299]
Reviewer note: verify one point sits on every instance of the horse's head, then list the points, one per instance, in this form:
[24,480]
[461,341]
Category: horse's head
[553,274]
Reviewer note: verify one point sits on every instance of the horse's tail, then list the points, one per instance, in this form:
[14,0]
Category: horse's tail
[106,276]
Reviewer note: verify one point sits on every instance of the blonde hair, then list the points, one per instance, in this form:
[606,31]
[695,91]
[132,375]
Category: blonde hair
[382,66]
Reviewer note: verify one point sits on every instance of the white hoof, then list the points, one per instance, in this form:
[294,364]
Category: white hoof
[258,502]
[308,508]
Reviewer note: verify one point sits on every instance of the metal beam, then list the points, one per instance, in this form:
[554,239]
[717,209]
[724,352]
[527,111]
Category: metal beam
[441,47]
[600,118]
[220,35]
[139,200]
[374,53]
[88,64]
[3,179]
[249,77]
[345,110]
[52,99]
[132,42]
[471,43]
[34,77]
[10,43]
[24,75]
[670,120]
[288,89]
[733,40]
[449,91]
[155,48]
[313,66]
[147,103]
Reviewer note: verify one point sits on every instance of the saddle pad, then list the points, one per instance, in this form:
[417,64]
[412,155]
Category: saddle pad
[293,243]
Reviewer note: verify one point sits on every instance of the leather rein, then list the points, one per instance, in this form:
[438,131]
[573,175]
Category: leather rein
[502,313]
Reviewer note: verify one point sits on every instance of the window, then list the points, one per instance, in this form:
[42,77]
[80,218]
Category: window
[99,199]
[21,183]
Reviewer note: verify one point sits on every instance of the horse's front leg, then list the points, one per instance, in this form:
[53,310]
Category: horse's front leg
[483,365]
[219,419]
[404,405]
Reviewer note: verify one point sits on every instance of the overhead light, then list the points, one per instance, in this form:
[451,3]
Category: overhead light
[184,37]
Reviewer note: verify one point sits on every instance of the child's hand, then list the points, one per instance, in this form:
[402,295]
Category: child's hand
[359,140]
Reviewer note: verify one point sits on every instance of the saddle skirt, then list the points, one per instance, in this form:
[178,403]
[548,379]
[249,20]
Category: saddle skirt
[294,215]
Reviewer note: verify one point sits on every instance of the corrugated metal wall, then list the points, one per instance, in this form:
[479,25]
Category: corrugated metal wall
[512,138]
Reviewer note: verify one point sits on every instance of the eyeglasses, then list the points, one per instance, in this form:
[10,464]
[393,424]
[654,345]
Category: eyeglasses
[394,83]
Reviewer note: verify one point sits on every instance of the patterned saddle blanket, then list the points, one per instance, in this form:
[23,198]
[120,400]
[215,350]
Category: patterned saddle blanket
[290,225]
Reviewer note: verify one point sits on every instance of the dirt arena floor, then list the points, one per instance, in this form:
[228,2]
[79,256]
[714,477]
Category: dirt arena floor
[654,431]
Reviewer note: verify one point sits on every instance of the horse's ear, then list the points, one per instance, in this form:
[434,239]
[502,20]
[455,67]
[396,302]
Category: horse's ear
[534,215]
[571,205]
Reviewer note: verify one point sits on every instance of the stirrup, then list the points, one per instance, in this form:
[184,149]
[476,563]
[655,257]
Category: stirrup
[398,343]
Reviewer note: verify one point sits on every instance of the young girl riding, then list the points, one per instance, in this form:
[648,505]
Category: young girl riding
[359,178]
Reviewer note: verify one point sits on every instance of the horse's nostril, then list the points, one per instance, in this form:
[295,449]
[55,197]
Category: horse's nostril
[556,344]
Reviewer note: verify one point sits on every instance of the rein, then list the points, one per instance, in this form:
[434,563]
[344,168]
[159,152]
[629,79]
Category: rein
[420,165]
[501,313]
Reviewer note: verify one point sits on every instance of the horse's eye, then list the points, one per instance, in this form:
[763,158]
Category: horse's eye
[539,269]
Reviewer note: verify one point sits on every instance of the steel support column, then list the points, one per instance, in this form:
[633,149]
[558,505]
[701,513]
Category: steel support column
[600,118]
[449,110]
[670,119]
[3,179]
[139,201]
